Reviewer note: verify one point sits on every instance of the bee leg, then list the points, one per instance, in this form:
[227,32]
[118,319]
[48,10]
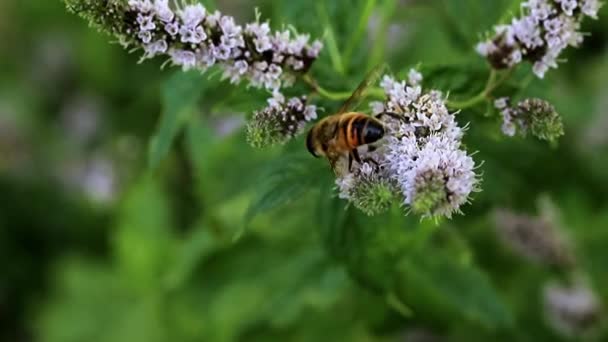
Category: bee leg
[392,115]
[355,154]
[350,162]
[373,161]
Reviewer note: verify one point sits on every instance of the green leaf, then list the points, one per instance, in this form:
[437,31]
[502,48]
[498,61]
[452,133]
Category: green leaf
[284,181]
[143,240]
[191,252]
[434,281]
[180,94]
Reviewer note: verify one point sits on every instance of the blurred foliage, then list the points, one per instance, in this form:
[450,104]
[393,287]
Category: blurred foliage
[133,209]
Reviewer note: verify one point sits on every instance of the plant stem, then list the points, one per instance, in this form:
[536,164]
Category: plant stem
[378,49]
[361,27]
[331,95]
[330,39]
[339,95]
[492,83]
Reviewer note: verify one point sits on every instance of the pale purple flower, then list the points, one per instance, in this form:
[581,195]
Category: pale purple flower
[187,59]
[192,15]
[591,7]
[545,29]
[195,39]
[414,77]
[420,159]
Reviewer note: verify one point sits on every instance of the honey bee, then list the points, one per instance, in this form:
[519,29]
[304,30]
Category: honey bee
[343,133]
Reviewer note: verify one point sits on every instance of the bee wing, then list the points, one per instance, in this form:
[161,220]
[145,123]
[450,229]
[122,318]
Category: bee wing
[371,78]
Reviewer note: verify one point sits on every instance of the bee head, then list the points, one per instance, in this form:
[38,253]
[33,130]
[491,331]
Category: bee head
[311,146]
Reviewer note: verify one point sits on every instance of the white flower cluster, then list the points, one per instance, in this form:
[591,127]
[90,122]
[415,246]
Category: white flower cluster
[509,116]
[195,38]
[421,153]
[280,121]
[540,35]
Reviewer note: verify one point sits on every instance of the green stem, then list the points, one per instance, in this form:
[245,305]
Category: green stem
[491,85]
[328,94]
[339,95]
[330,39]
[361,27]
[378,50]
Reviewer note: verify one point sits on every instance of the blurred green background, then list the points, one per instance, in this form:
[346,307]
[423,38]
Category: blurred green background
[132,209]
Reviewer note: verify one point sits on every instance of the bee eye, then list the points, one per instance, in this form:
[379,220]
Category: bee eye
[310,146]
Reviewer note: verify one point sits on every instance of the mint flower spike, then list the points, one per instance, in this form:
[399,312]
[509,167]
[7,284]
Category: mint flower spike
[420,160]
[368,189]
[546,28]
[280,121]
[533,115]
[193,38]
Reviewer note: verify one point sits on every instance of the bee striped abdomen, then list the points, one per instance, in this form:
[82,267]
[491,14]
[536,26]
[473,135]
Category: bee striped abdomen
[358,127]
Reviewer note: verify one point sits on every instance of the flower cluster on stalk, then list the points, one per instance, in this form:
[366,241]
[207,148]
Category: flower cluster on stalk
[534,116]
[194,38]
[420,159]
[539,36]
[280,121]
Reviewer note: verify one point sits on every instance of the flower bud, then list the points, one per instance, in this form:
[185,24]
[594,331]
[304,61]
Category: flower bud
[280,121]
[536,116]
[367,189]
[542,119]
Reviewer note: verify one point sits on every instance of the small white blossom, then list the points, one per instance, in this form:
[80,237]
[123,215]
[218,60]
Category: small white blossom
[377,107]
[192,15]
[163,11]
[591,7]
[172,28]
[501,103]
[485,48]
[414,77]
[146,22]
[187,59]
[261,36]
[141,5]
[156,48]
[193,35]
[145,37]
